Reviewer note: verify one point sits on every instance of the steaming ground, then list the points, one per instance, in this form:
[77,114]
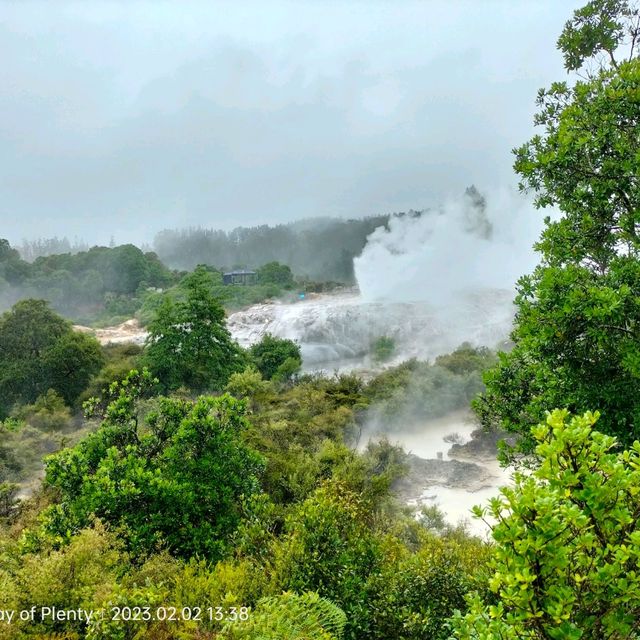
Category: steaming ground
[335,332]
[451,478]
[430,281]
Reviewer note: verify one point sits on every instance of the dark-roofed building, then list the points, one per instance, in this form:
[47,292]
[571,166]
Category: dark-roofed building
[241,276]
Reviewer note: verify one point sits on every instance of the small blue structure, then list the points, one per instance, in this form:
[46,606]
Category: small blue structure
[301,295]
[241,276]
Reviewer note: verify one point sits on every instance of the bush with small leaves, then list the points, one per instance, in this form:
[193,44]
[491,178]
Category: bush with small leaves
[567,542]
[175,480]
[382,348]
[276,358]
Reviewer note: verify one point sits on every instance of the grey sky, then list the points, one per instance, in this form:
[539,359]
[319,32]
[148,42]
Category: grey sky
[125,118]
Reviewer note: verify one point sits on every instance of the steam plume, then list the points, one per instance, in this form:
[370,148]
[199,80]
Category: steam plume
[465,246]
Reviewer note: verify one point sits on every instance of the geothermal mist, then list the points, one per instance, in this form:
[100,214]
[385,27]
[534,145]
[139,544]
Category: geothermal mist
[432,281]
[461,261]
[464,246]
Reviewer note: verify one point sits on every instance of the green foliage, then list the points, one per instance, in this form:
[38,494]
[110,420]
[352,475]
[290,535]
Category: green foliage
[329,548]
[467,359]
[383,348]
[76,576]
[431,517]
[8,501]
[47,413]
[276,273]
[373,474]
[22,450]
[330,545]
[276,358]
[189,344]
[12,268]
[291,617]
[231,297]
[287,370]
[601,27]
[174,481]
[101,283]
[164,582]
[577,332]
[567,541]
[249,385]
[239,297]
[414,596]
[40,351]
[298,427]
[586,164]
[119,360]
[71,362]
[576,345]
[415,391]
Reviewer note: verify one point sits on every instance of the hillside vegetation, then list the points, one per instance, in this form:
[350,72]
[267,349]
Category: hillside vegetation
[206,492]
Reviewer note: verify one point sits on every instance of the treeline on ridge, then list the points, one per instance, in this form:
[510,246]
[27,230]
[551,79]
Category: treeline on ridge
[320,249]
[83,286]
[107,285]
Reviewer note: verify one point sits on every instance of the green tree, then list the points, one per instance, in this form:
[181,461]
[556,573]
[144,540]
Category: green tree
[47,413]
[125,267]
[597,32]
[39,350]
[414,595]
[71,362]
[329,548]
[276,357]
[12,268]
[466,359]
[189,344]
[567,542]
[577,331]
[276,273]
[176,481]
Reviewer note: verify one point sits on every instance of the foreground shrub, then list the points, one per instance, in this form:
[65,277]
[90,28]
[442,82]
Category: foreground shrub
[174,481]
[567,542]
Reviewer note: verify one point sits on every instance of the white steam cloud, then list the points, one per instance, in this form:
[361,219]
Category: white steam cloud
[467,245]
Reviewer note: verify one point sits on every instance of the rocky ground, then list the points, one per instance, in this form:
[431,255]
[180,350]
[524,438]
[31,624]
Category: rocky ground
[454,474]
[461,476]
[127,332]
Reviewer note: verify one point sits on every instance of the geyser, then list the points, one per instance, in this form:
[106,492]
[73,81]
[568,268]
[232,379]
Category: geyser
[431,281]
[441,255]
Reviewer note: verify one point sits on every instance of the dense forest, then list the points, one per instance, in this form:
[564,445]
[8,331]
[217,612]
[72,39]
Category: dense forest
[318,249]
[100,282]
[193,489]
[107,285]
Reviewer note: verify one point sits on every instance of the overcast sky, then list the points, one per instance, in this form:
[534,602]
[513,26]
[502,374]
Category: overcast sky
[124,118]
